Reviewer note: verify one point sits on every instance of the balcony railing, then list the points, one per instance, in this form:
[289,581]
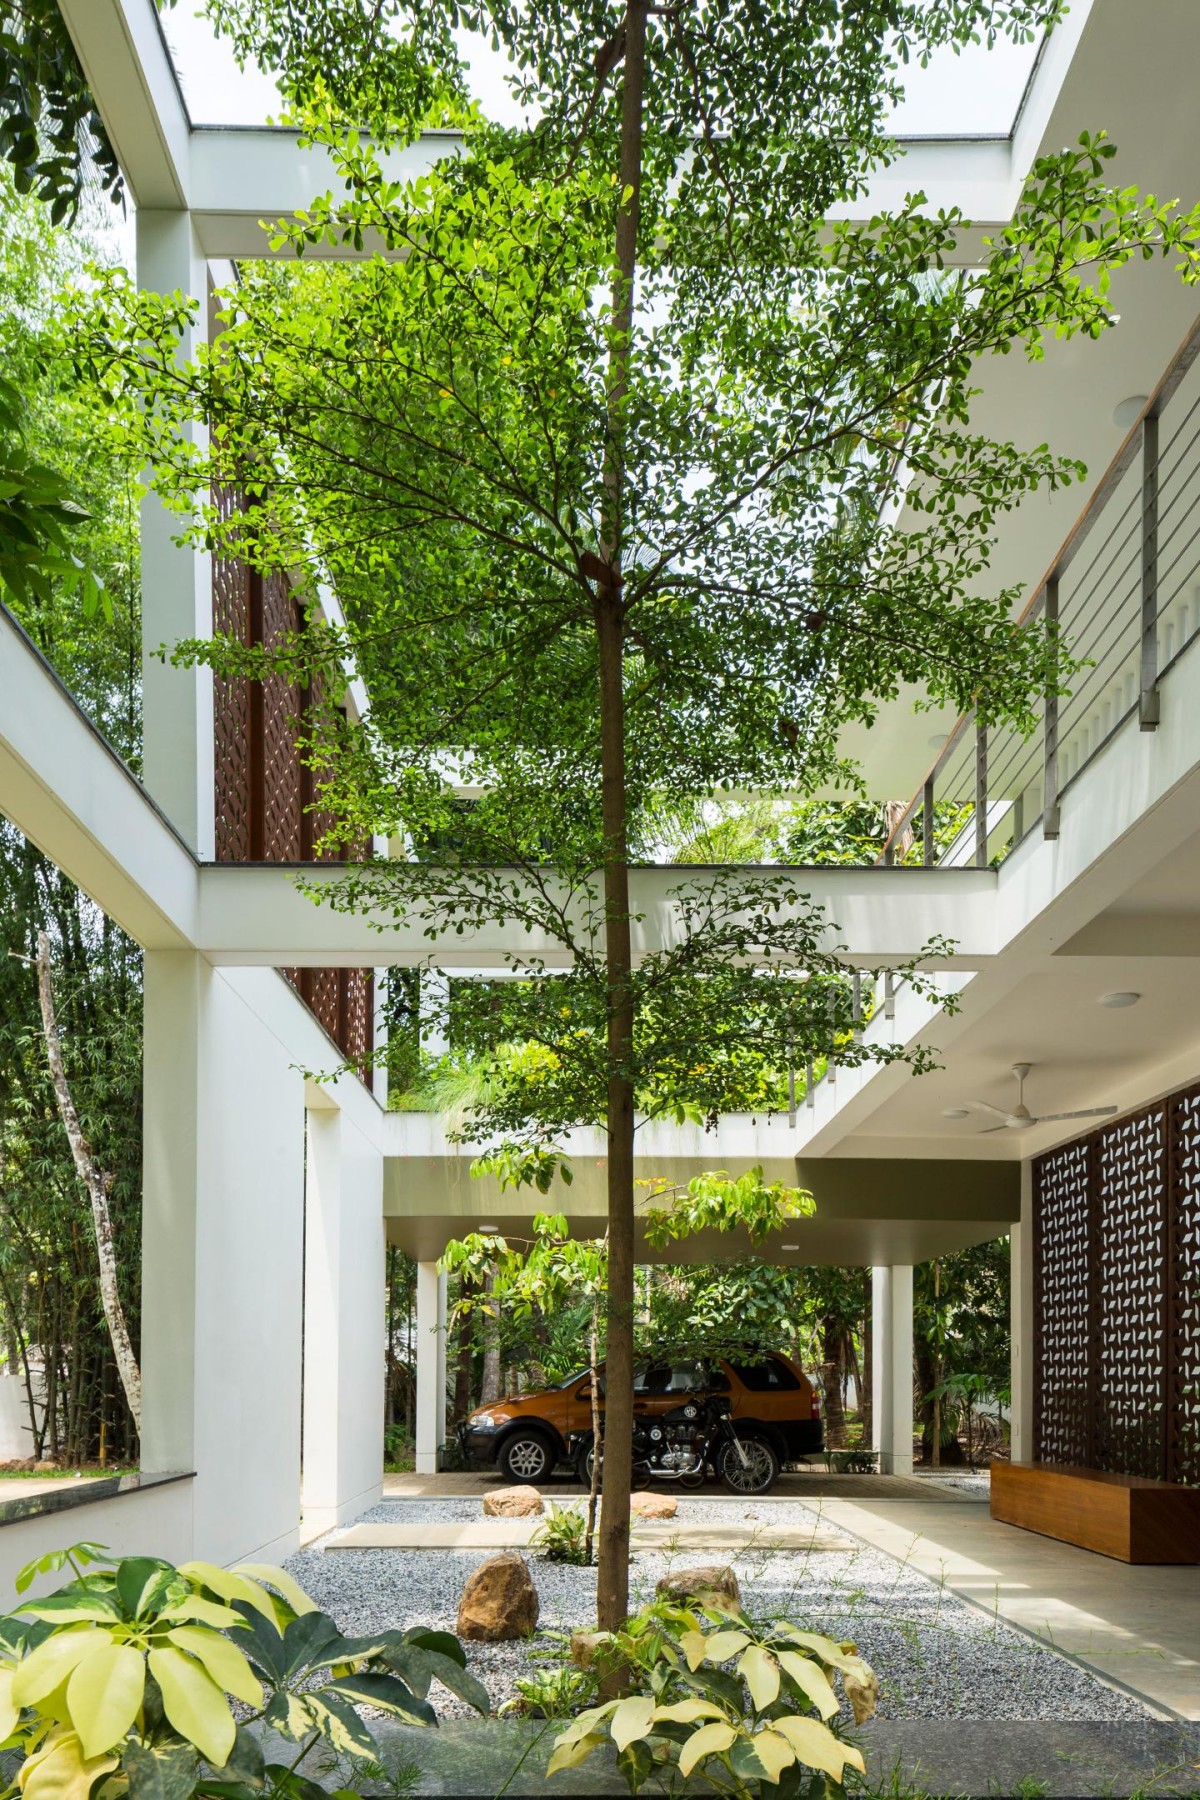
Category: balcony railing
[1124,591]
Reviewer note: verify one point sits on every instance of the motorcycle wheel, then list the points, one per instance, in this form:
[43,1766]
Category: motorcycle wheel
[583,1468]
[757,1475]
[696,1479]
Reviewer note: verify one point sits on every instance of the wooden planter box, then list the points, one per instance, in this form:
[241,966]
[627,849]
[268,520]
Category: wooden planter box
[1135,1520]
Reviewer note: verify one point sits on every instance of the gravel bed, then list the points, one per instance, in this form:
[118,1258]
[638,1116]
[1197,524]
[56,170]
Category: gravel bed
[936,1657]
[971,1481]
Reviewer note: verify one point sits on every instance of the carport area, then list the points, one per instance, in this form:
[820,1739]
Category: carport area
[885,1214]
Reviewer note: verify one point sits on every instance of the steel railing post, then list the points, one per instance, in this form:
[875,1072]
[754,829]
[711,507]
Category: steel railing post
[927,824]
[981,797]
[1050,807]
[1148,699]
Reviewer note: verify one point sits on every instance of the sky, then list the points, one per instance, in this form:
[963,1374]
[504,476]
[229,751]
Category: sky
[974,94]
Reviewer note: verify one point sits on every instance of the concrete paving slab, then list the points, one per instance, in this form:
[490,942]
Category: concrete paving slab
[809,1484]
[1138,1627]
[517,1534]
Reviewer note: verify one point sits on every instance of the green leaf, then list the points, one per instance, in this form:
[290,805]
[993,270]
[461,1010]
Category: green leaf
[338,1722]
[223,1661]
[270,1576]
[710,1740]
[245,1760]
[386,1692]
[194,1704]
[143,1582]
[760,1671]
[50,1663]
[104,1696]
[569,1752]
[632,1719]
[159,1771]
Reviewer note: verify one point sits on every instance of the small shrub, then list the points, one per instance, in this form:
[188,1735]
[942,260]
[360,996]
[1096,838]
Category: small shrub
[562,1537]
[750,1729]
[552,1694]
[123,1677]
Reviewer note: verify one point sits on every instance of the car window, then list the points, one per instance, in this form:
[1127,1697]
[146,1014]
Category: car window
[771,1375]
[687,1376]
[654,1378]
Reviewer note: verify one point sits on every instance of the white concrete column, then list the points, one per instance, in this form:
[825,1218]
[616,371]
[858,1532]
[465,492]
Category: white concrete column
[177,704]
[222,1273]
[1021,1328]
[428,1284]
[343,1319]
[892,1364]
[442,1347]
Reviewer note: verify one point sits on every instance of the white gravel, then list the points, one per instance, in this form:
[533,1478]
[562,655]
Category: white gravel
[936,1657]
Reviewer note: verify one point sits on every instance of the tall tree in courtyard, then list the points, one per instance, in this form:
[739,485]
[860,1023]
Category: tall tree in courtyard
[592,452]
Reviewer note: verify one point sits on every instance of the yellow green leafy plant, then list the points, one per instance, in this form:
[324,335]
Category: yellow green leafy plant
[753,1708]
[120,1683]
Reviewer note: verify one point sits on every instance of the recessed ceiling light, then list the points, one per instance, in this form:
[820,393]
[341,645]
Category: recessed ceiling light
[1126,412]
[956,1112]
[1116,1000]
[488,1230]
[789,1246]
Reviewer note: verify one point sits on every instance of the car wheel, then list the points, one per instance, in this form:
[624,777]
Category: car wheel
[526,1457]
[757,1474]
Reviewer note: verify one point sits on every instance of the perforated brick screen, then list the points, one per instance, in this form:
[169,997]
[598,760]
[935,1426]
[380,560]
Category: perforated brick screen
[1117,1296]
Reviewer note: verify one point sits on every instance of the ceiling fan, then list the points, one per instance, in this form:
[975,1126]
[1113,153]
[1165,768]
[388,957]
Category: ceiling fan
[1020,1118]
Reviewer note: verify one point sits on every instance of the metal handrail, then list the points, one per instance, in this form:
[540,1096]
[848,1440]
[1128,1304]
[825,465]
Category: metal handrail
[1142,436]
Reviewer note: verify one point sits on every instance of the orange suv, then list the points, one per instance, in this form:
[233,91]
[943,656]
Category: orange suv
[529,1435]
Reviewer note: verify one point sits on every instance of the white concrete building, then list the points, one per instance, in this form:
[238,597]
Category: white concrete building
[268,1200]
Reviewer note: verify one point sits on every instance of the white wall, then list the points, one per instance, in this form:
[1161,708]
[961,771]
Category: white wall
[155,1522]
[16,1439]
[343,1320]
[223,1216]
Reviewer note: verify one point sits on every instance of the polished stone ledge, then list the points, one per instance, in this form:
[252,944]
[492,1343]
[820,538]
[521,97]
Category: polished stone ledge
[83,1493]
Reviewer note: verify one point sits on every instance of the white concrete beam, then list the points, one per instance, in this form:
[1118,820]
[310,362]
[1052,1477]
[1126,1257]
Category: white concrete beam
[233,178]
[252,914]
[128,68]
[69,792]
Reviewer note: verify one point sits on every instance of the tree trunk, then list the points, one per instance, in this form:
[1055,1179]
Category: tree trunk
[612,1581]
[98,1185]
[465,1366]
[865,1396]
[831,1380]
[594,1483]
[489,1382]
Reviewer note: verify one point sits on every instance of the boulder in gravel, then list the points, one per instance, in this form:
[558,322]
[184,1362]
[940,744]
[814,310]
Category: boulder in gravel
[512,1503]
[499,1602]
[653,1506]
[713,1584]
[584,1645]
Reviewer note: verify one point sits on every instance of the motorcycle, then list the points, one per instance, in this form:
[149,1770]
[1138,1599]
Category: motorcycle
[683,1444]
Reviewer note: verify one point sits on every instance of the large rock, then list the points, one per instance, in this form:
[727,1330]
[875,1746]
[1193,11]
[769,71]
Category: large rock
[653,1506]
[710,1583]
[499,1602]
[512,1503]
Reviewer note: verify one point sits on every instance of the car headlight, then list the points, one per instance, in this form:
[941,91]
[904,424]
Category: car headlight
[484,1421]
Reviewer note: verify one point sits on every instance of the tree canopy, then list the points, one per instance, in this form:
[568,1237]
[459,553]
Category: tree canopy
[593,446]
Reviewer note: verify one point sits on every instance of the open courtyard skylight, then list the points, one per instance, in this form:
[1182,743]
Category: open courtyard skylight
[976,94]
